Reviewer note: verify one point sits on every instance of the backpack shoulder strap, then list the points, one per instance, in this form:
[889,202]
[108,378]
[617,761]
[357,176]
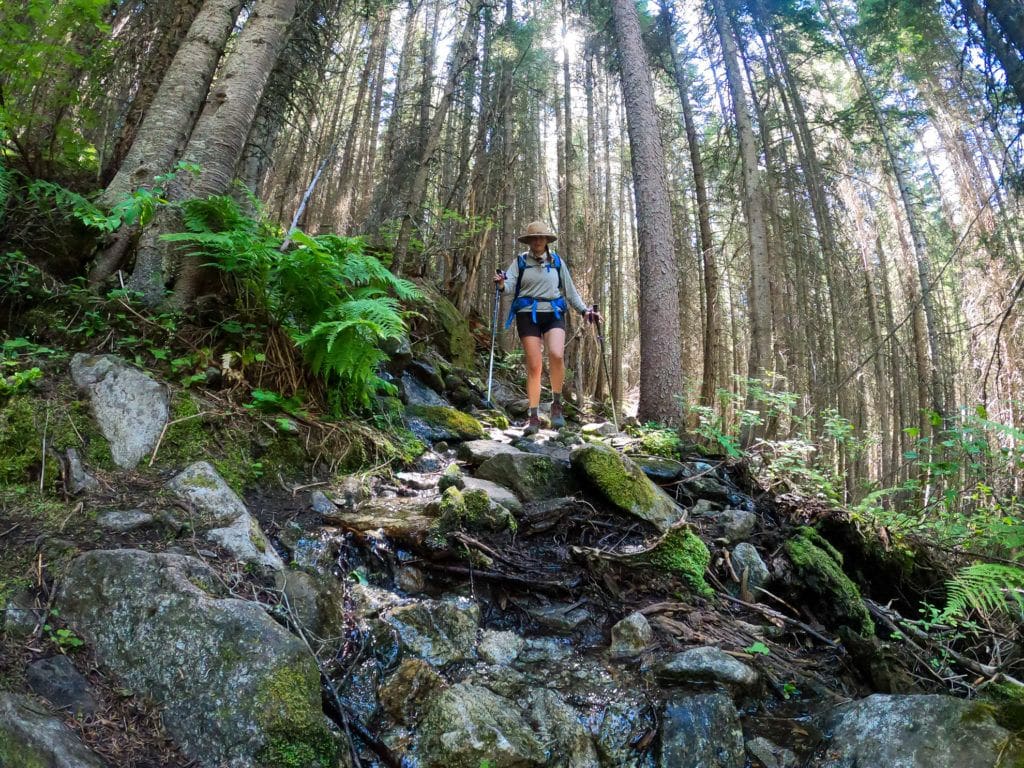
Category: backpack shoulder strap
[557,262]
[521,261]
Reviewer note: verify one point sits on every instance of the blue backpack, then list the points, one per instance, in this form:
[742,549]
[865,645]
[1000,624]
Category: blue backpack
[520,302]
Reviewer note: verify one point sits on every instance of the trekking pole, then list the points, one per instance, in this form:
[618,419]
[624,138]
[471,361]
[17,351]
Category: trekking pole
[494,333]
[604,367]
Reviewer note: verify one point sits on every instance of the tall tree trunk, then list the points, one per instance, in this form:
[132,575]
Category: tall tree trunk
[1009,57]
[660,369]
[216,144]
[754,202]
[461,55]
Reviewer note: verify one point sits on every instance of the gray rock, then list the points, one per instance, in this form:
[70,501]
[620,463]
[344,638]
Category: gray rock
[410,579]
[418,393]
[320,504]
[567,744]
[216,504]
[530,476]
[124,520]
[496,493]
[560,617]
[707,664]
[737,524]
[705,507]
[468,726]
[79,481]
[57,681]
[545,443]
[437,631]
[604,429]
[451,478]
[658,469]
[31,737]
[316,602]
[916,732]
[631,636]
[232,682]
[622,724]
[130,408]
[544,650]
[412,686]
[702,732]
[745,559]
[417,480]
[405,518]
[621,482]
[21,616]
[349,491]
[500,648]
[476,452]
[768,755]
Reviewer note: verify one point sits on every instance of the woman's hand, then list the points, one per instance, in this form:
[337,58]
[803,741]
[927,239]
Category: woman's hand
[593,316]
[499,279]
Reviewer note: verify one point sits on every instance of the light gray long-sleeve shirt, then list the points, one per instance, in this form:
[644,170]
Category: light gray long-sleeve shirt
[540,281]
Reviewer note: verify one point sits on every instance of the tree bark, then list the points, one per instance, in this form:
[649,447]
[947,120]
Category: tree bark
[1008,56]
[660,369]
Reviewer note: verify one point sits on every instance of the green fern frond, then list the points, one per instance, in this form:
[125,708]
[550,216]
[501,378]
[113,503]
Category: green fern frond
[985,587]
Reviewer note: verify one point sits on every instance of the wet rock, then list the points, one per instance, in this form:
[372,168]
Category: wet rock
[624,485]
[130,408]
[702,732]
[496,493]
[79,481]
[349,491]
[746,560]
[31,736]
[427,375]
[567,744]
[468,726]
[604,429]
[406,519]
[320,504]
[316,602]
[476,452]
[631,636]
[768,755]
[419,481]
[410,579]
[500,648]
[235,686]
[659,469]
[417,393]
[434,423]
[737,524]
[916,731]
[707,664]
[622,724]
[57,681]
[519,407]
[21,616]
[245,541]
[437,631]
[545,443]
[409,689]
[544,650]
[560,617]
[531,476]
[122,521]
[451,478]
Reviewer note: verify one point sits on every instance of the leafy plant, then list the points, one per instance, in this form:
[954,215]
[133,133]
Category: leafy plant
[758,648]
[986,587]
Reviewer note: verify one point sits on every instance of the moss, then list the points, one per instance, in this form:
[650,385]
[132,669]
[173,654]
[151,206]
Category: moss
[289,711]
[624,486]
[681,552]
[20,441]
[456,340]
[812,535]
[451,419]
[451,477]
[478,505]
[1007,702]
[15,752]
[186,439]
[660,442]
[823,576]
[494,418]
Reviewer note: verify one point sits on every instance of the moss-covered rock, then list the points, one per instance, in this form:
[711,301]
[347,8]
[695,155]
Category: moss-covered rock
[452,335]
[437,422]
[32,737]
[834,595]
[533,477]
[624,485]
[680,552]
[451,477]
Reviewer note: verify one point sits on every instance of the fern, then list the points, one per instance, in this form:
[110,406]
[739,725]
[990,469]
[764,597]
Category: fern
[985,587]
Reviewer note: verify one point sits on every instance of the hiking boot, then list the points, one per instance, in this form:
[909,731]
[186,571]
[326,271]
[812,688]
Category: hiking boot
[533,426]
[557,417]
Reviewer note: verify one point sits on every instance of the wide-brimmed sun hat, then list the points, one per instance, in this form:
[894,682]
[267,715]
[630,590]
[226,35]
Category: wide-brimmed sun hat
[537,229]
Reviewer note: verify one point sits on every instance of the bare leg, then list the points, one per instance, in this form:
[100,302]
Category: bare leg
[554,342]
[534,363]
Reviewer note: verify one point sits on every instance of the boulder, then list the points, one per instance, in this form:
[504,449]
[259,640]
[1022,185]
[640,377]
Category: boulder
[532,476]
[603,429]
[235,687]
[57,681]
[216,504]
[499,494]
[707,664]
[21,616]
[476,452]
[405,518]
[769,755]
[434,423]
[702,731]
[746,560]
[736,524]
[916,732]
[79,481]
[659,469]
[409,689]
[500,647]
[321,504]
[437,631]
[560,617]
[124,520]
[567,744]
[631,636]
[417,393]
[622,483]
[130,408]
[468,726]
[32,737]
[450,331]
[317,602]
[452,477]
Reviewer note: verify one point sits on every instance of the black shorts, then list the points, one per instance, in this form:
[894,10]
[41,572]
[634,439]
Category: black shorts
[546,321]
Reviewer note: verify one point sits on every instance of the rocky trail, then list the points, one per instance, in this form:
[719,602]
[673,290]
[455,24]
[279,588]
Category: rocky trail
[561,599]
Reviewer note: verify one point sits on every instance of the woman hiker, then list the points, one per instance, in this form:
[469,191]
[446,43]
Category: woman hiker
[542,284]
